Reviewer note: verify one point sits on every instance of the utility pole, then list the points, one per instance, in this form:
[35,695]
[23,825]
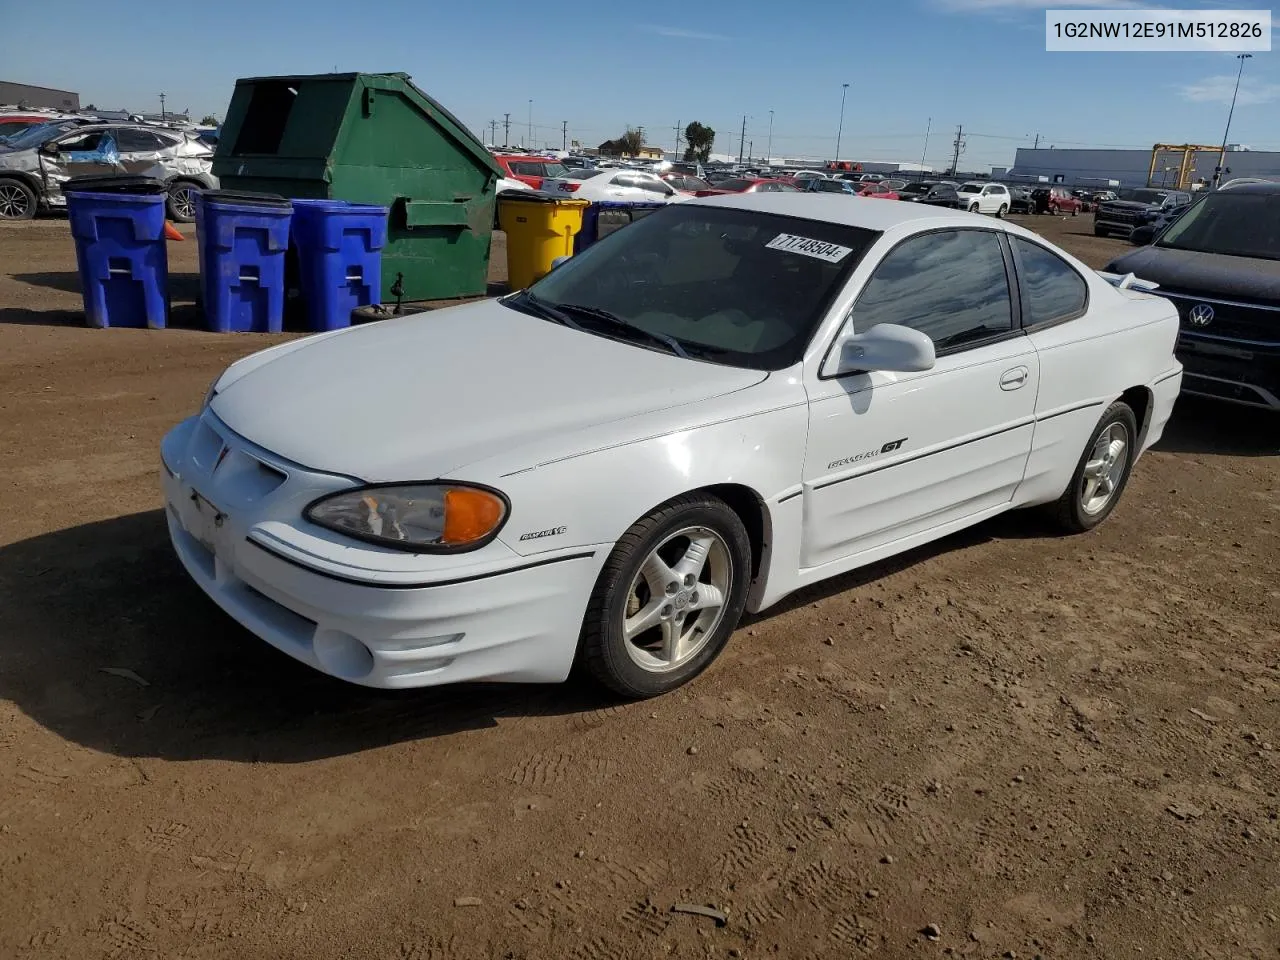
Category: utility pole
[564,134]
[493,132]
[927,130]
[1222,157]
[1036,145]
[506,130]
[840,129]
[958,144]
[677,150]
[742,140]
[768,151]
[531,124]
[162,109]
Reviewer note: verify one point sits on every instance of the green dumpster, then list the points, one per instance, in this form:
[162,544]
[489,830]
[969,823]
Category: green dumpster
[371,138]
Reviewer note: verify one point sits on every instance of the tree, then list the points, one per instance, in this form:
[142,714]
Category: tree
[629,143]
[209,120]
[699,138]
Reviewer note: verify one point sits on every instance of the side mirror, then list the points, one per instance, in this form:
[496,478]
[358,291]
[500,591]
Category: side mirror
[886,346]
[559,260]
[50,149]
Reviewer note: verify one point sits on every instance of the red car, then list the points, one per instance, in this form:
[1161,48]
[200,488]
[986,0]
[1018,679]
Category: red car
[750,185]
[1055,200]
[870,189]
[531,170]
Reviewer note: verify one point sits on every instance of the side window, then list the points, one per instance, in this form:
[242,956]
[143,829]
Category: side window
[950,285]
[136,141]
[625,180]
[84,143]
[1054,290]
[527,169]
[654,185]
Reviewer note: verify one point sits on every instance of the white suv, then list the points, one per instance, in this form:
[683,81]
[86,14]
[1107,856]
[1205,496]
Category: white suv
[977,197]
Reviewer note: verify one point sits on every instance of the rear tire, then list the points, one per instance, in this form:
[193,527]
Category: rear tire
[1004,208]
[17,200]
[668,598]
[1102,472]
[1075,211]
[181,202]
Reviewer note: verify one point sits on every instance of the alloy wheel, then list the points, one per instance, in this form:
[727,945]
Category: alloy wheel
[677,599]
[1104,470]
[14,202]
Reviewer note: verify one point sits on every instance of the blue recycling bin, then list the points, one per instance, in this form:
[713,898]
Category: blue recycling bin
[339,247]
[603,217]
[243,239]
[121,256]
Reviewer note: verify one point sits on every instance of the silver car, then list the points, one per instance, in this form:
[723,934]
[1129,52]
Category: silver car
[35,163]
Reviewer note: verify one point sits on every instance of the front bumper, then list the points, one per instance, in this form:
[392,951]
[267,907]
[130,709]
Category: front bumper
[374,617]
[1236,371]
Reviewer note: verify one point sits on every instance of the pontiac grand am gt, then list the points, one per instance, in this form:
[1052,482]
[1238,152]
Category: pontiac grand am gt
[729,400]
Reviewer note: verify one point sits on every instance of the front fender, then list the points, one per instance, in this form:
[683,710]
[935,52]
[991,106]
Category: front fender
[593,498]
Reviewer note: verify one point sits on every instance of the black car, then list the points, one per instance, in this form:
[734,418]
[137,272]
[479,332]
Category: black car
[1219,263]
[1020,200]
[1145,233]
[1142,206]
[931,192]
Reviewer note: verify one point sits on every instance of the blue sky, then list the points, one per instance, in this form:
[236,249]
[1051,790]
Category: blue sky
[658,63]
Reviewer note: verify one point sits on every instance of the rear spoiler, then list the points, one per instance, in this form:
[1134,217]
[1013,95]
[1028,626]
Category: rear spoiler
[1127,281]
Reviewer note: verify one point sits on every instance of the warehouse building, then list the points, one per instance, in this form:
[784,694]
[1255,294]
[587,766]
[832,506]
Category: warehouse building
[1132,167]
[27,97]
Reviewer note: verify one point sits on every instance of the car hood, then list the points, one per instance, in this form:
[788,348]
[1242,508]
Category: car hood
[418,397]
[1129,205]
[1210,274]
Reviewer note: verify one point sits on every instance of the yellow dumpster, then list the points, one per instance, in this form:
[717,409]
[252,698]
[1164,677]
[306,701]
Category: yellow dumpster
[539,228]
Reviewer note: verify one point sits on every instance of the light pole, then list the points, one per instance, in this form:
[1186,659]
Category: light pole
[768,152]
[840,129]
[1222,157]
[530,124]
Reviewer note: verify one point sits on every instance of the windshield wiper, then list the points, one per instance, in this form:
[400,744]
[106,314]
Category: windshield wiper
[596,313]
[542,308]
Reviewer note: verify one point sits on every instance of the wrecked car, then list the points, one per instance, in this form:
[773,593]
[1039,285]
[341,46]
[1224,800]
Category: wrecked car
[35,164]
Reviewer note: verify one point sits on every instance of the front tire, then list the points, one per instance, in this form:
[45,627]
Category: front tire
[1002,211]
[17,200]
[1102,473]
[668,598]
[973,208]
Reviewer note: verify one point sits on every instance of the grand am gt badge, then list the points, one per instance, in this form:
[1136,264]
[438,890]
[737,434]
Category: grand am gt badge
[539,534]
[857,457]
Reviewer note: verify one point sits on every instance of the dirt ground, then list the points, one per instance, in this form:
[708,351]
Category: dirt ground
[1041,746]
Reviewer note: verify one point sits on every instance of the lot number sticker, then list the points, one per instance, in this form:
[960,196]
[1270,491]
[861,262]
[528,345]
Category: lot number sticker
[818,249]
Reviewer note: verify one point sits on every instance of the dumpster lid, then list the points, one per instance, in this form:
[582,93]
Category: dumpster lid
[454,127]
[110,184]
[538,196]
[247,198]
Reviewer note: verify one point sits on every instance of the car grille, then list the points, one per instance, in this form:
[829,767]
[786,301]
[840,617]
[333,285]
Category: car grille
[1257,323]
[1118,216]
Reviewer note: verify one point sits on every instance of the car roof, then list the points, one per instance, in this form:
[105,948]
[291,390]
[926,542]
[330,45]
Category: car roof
[1264,188]
[862,212]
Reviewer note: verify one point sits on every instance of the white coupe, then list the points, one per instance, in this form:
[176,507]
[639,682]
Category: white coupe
[725,402]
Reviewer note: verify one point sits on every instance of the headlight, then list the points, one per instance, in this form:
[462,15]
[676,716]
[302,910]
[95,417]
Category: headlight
[419,517]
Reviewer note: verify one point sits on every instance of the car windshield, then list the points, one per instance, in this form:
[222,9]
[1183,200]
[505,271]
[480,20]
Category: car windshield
[736,185]
[1149,196]
[916,188]
[36,135]
[1232,224]
[971,188]
[731,286]
[555,170]
[586,174]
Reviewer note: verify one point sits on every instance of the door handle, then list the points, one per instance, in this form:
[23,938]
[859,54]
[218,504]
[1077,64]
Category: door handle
[1013,379]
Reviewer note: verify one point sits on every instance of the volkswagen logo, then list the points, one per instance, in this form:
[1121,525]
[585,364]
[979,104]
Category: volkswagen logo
[1201,315]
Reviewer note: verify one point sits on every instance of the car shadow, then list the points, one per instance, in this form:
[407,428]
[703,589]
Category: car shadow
[1203,426]
[108,643]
